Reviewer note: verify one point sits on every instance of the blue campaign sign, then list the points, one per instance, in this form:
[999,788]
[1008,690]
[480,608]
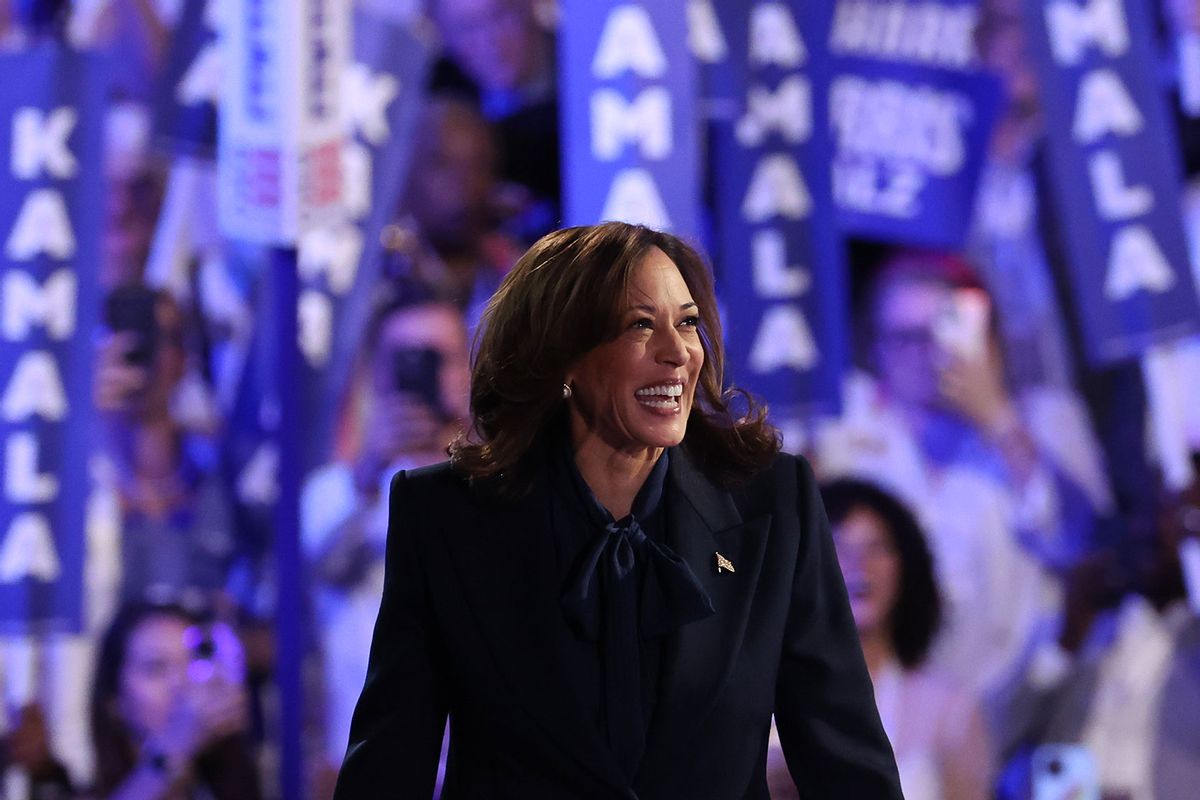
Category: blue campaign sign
[780,260]
[1115,172]
[186,108]
[51,193]
[912,114]
[629,89]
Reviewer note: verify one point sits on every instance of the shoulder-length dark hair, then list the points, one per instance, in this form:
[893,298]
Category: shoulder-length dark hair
[917,614]
[116,753]
[564,298]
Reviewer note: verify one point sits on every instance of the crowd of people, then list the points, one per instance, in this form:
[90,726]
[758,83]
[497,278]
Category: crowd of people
[1013,555]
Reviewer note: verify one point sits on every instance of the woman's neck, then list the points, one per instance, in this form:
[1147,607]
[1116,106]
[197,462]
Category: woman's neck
[877,650]
[615,476]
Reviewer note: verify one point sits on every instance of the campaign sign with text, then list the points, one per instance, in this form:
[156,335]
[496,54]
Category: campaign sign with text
[279,140]
[779,258]
[911,115]
[628,90]
[186,107]
[1115,174]
[51,212]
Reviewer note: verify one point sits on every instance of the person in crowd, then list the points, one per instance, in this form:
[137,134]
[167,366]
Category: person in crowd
[417,374]
[937,425]
[27,748]
[617,578]
[176,527]
[447,239]
[1117,681]
[936,727]
[500,53]
[169,709]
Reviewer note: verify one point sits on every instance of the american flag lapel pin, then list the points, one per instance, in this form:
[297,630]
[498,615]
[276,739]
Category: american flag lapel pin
[724,563]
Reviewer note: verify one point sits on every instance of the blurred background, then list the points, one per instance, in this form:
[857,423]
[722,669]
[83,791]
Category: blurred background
[245,246]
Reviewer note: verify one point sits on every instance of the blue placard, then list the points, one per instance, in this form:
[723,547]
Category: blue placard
[629,115]
[186,108]
[911,114]
[51,191]
[1115,172]
[780,261]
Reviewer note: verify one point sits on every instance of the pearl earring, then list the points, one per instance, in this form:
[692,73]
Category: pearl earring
[567,392]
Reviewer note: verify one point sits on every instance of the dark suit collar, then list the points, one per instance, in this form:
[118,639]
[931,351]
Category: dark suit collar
[506,561]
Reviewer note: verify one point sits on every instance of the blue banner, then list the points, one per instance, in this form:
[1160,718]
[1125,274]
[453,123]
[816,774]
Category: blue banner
[186,109]
[51,193]
[912,114]
[340,265]
[1115,174]
[628,91]
[780,260]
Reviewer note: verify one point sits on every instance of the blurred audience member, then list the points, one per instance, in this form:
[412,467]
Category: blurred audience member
[176,528]
[499,52]
[169,713]
[27,748]
[940,428]
[936,727]
[416,360]
[1121,675]
[448,241]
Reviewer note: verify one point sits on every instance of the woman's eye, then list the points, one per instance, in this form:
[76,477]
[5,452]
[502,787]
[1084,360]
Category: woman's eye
[643,324]
[691,322]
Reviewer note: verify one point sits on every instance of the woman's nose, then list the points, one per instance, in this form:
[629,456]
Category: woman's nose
[672,349]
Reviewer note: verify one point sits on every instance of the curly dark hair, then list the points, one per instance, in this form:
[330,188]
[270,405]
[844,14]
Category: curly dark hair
[561,300]
[917,614]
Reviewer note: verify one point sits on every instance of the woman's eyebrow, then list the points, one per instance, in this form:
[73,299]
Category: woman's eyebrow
[652,309]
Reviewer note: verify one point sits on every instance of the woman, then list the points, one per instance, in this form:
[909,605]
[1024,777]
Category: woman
[935,726]
[614,582]
[169,709]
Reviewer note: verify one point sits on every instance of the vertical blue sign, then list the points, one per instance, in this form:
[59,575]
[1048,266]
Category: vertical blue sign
[780,259]
[51,190]
[186,110]
[911,113]
[629,115]
[1115,172]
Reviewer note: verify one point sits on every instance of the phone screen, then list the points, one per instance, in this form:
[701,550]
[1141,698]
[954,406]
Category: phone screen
[961,328]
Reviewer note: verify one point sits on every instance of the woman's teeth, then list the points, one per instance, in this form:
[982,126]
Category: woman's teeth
[668,392]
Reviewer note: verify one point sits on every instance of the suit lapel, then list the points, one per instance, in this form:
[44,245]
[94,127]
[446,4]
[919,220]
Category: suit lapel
[702,521]
[507,568]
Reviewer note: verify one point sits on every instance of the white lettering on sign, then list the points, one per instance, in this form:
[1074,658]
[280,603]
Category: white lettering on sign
[1074,27]
[315,327]
[26,304]
[42,226]
[35,389]
[705,38]
[784,340]
[1103,107]
[773,277]
[368,97]
[629,43]
[634,198]
[333,252]
[22,481]
[1136,263]
[1115,199]
[357,174]
[28,550]
[774,37]
[787,110]
[777,189]
[930,33]
[646,120]
[201,83]
[40,143]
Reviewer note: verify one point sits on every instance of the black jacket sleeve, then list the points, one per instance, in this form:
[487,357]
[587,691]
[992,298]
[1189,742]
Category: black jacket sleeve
[396,732]
[825,710]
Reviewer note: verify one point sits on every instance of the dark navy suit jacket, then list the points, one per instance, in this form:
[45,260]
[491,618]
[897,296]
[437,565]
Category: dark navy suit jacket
[464,630]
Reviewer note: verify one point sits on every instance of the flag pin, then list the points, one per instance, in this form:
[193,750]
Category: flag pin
[724,563]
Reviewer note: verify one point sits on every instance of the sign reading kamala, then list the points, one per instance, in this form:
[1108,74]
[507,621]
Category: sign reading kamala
[280,136]
[51,119]
[1115,173]
[911,114]
[629,120]
[786,317]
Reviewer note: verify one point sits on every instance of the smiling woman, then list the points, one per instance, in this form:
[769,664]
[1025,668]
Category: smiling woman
[617,579]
